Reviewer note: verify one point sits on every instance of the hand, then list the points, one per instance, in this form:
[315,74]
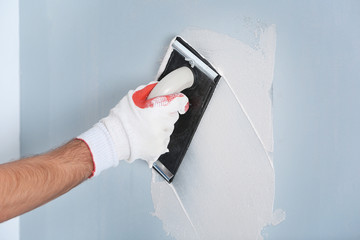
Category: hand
[136,128]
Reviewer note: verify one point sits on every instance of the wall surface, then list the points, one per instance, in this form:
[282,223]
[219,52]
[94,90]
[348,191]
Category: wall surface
[79,57]
[227,174]
[9,97]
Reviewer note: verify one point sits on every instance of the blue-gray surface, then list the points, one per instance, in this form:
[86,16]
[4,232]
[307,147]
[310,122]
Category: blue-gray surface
[79,57]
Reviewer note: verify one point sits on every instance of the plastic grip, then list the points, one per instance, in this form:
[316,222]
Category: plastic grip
[175,82]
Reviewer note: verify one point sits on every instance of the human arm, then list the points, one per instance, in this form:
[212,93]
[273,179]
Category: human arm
[31,182]
[137,128]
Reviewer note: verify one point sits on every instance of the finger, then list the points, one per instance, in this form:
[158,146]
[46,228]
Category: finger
[141,93]
[170,128]
[178,103]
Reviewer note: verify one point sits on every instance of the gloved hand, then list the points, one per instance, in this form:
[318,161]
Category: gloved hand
[136,128]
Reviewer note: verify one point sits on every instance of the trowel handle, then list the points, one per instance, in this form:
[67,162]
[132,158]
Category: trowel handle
[174,82]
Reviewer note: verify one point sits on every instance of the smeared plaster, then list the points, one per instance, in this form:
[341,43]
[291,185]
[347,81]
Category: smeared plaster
[224,188]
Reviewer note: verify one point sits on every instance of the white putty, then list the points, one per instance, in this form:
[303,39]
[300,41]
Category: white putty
[224,188]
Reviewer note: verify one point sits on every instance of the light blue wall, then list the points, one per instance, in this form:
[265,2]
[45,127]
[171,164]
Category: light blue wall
[79,57]
[9,98]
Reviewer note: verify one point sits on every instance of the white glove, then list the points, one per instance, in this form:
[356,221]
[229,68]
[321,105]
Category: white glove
[136,128]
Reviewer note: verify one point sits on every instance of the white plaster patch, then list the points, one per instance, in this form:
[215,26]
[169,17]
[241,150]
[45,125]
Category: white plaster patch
[224,188]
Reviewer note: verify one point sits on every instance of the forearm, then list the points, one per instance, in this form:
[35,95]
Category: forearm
[31,182]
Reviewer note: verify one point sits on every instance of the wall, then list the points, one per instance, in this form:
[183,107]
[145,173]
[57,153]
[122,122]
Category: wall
[79,57]
[9,97]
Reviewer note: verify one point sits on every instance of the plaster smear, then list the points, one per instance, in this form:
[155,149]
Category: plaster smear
[224,188]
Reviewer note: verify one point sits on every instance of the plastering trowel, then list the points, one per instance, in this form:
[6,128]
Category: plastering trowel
[188,72]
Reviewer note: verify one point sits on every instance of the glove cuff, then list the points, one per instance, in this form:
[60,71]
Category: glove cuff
[101,147]
[114,125]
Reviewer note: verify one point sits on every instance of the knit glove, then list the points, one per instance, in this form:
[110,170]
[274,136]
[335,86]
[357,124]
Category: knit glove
[136,128]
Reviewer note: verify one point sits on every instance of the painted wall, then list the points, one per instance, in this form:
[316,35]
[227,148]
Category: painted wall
[79,57]
[9,97]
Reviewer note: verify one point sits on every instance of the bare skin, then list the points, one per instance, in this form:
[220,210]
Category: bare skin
[31,182]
